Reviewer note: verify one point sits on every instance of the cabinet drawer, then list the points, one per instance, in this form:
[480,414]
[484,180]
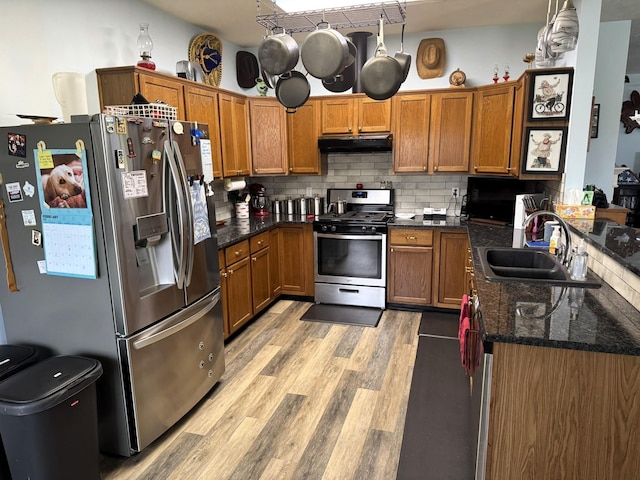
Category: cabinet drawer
[236,252]
[402,236]
[259,241]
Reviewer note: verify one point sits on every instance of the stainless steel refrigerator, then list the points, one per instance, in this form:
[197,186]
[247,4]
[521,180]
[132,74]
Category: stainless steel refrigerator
[111,252]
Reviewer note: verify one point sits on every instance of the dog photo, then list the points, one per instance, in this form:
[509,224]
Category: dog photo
[63,185]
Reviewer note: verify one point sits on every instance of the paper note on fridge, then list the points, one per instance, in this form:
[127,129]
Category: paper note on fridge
[134,184]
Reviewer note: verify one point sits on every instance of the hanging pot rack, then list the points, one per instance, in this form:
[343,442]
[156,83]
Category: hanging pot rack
[343,17]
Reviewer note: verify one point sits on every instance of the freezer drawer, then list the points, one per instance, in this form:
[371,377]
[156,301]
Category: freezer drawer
[172,365]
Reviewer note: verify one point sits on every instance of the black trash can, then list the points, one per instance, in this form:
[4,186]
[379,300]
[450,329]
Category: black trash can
[49,420]
[14,358]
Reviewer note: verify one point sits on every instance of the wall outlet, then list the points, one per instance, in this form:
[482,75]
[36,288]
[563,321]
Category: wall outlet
[455,191]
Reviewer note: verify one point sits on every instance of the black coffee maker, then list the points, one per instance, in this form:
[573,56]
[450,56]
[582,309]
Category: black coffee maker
[259,201]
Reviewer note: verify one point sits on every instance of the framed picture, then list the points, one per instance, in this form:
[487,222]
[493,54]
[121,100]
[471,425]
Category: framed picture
[595,118]
[545,150]
[550,95]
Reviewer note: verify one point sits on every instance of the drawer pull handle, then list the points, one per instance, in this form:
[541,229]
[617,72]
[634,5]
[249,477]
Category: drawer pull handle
[237,253]
[254,258]
[411,237]
[260,242]
[230,272]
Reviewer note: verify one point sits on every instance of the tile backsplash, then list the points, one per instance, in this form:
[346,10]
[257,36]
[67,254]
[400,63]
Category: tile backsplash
[413,192]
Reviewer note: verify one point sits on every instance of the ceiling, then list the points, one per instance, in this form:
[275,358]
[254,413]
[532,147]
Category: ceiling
[235,20]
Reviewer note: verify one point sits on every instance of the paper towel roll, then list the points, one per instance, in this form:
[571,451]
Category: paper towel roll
[230,185]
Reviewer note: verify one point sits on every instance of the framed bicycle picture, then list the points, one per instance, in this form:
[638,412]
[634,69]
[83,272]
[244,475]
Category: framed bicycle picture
[550,94]
[545,150]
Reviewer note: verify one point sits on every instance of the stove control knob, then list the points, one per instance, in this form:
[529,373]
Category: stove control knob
[324,228]
[373,229]
[364,228]
[333,228]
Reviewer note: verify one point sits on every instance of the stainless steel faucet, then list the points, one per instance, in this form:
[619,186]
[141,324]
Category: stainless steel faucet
[566,256]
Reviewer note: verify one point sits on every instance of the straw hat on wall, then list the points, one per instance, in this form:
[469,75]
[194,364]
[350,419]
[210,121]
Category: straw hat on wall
[431,58]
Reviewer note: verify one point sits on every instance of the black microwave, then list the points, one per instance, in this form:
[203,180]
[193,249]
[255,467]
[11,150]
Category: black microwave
[494,198]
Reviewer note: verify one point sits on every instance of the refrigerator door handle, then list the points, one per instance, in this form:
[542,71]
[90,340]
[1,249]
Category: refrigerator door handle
[189,209]
[167,332]
[179,271]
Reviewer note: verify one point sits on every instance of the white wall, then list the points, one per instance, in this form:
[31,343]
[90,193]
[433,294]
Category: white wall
[628,143]
[42,37]
[610,64]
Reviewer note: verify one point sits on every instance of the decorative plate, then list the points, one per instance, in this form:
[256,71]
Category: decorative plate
[405,216]
[206,50]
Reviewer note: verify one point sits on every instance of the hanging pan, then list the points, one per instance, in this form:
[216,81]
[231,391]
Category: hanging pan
[381,75]
[403,58]
[345,80]
[325,52]
[278,53]
[292,90]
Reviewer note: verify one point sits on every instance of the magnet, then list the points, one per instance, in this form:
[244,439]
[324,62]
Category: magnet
[196,135]
[110,124]
[148,141]
[36,238]
[22,164]
[17,145]
[29,218]
[156,155]
[42,266]
[130,148]
[121,126]
[120,161]
[29,189]
[135,120]
[178,128]
[14,193]
[159,123]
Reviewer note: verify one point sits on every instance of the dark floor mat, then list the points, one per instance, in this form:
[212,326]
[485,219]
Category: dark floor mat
[348,315]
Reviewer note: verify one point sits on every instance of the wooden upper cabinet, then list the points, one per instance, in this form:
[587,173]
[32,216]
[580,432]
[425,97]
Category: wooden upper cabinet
[303,130]
[234,135]
[355,115]
[202,106]
[450,132]
[166,90]
[492,129]
[268,124]
[411,117]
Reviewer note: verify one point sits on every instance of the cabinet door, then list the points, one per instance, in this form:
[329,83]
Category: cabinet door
[450,132]
[296,259]
[410,275]
[411,113]
[268,125]
[202,106]
[240,306]
[303,130]
[223,293]
[274,263]
[518,127]
[338,115]
[234,135]
[260,275]
[166,90]
[374,115]
[492,123]
[451,274]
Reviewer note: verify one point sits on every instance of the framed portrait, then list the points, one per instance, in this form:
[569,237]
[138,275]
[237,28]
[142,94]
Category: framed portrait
[595,119]
[550,95]
[545,150]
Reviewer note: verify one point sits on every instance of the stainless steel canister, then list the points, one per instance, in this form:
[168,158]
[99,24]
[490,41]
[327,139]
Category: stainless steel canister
[300,206]
[278,206]
[315,205]
[290,206]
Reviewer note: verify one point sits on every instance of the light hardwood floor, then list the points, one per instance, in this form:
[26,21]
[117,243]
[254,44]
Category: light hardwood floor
[298,400]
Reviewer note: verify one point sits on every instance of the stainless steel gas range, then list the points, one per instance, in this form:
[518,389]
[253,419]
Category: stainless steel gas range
[350,254]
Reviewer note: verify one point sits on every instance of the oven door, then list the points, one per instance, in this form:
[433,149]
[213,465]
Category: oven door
[348,259]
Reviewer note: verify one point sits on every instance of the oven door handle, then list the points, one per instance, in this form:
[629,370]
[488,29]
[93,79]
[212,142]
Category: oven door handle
[339,236]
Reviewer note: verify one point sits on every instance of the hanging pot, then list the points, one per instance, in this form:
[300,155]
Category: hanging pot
[278,53]
[269,79]
[344,81]
[381,75]
[292,90]
[325,52]
[404,59]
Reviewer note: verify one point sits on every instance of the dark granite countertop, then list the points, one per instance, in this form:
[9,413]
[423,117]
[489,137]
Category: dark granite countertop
[620,242]
[601,320]
[235,230]
[418,222]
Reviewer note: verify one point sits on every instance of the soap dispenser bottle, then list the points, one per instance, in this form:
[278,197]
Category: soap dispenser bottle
[554,241]
[579,263]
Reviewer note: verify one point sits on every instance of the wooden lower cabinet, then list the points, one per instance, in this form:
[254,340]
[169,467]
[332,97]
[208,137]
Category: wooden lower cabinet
[274,263]
[296,259]
[237,293]
[260,271]
[410,266]
[450,276]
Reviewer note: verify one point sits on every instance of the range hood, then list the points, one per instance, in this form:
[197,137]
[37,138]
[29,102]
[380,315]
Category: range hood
[360,143]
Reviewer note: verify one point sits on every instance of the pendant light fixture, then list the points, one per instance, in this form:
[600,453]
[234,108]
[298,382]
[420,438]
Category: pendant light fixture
[544,56]
[564,35]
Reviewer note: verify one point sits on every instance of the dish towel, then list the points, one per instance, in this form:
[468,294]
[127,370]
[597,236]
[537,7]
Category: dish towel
[463,332]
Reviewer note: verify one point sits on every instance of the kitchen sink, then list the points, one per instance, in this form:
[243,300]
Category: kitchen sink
[527,265]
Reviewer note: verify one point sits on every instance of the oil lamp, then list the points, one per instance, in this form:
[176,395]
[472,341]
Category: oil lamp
[145,45]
